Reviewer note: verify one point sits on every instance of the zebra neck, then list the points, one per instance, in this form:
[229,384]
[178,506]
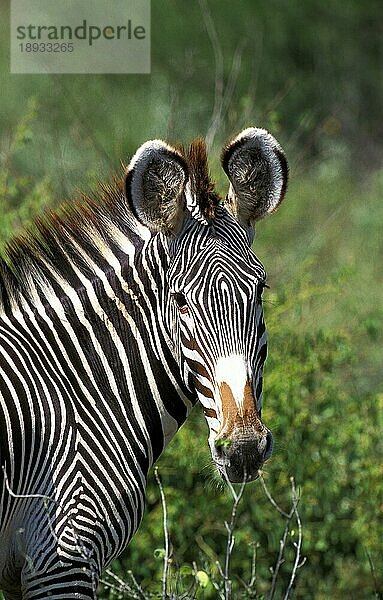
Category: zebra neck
[100,322]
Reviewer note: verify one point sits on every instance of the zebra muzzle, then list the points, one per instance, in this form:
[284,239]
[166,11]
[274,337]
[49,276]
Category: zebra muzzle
[240,456]
[243,443]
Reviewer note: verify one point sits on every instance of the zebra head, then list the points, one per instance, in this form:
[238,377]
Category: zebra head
[212,303]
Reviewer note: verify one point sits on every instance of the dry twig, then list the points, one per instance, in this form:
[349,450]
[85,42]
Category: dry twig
[166,534]
[298,560]
[223,94]
[230,527]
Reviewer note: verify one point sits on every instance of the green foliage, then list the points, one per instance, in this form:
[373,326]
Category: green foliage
[21,196]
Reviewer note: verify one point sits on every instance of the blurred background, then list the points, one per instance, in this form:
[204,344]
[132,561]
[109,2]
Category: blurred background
[311,73]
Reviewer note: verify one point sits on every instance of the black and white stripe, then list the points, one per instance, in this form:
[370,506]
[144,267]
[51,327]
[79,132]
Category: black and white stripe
[115,317]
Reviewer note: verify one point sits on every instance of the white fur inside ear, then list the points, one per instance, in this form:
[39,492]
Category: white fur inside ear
[257,132]
[145,152]
[142,157]
[155,179]
[259,186]
[261,137]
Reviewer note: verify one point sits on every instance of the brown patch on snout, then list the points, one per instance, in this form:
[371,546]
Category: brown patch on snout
[235,418]
[243,443]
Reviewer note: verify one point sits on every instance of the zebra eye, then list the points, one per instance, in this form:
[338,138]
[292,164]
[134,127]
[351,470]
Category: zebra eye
[180,300]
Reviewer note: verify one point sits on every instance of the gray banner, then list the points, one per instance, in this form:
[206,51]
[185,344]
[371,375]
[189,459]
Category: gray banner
[80,36]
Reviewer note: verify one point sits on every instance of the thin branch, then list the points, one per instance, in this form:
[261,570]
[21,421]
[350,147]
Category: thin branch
[43,497]
[220,569]
[223,94]
[298,561]
[233,77]
[218,61]
[166,534]
[251,586]
[119,586]
[254,557]
[84,552]
[298,545]
[230,531]
[271,499]
[137,586]
[280,560]
[215,584]
[122,586]
[377,594]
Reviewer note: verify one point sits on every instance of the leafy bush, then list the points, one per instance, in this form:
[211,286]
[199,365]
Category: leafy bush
[22,196]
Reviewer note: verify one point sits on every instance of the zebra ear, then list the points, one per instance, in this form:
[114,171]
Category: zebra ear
[155,182]
[257,169]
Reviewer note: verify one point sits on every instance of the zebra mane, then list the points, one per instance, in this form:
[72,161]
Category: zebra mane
[56,238]
[202,185]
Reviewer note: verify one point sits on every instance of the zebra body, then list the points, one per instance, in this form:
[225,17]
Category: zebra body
[115,318]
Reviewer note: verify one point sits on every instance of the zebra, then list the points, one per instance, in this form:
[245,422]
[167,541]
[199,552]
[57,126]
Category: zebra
[118,312]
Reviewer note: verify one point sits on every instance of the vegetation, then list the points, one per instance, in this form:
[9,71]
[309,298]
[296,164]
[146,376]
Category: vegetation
[311,73]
